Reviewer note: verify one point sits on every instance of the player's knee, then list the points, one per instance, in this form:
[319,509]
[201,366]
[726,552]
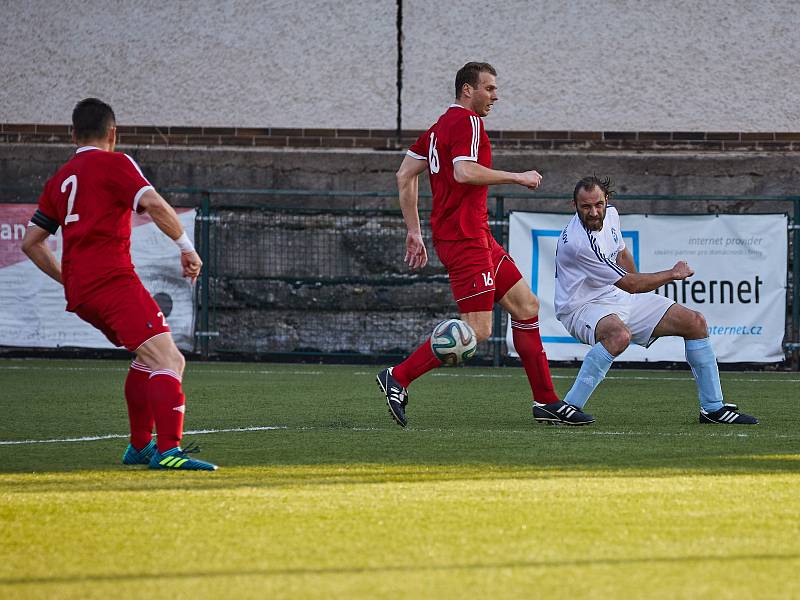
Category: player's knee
[163,357]
[617,340]
[525,309]
[532,306]
[698,326]
[180,362]
[174,360]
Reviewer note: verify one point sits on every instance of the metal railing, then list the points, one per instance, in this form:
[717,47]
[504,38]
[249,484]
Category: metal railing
[214,200]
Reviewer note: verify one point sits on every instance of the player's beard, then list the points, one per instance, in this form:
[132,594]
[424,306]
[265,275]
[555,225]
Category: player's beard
[593,224]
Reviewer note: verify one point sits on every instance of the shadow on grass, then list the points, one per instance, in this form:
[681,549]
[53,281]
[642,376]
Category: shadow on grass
[534,452]
[405,569]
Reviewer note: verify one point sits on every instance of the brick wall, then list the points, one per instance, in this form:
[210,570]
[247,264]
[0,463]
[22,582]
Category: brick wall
[385,139]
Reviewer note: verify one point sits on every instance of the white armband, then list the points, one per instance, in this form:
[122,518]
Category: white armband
[185,244]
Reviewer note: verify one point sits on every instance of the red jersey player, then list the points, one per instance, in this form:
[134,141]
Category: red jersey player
[92,198]
[458,157]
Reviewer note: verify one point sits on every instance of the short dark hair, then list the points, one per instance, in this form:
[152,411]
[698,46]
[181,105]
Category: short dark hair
[591,182]
[470,73]
[91,119]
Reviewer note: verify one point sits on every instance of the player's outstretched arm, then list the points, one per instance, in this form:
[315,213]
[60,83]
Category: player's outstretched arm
[34,245]
[166,219]
[408,187]
[638,283]
[467,171]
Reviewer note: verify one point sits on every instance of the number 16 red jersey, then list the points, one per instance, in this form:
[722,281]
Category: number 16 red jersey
[92,198]
[459,209]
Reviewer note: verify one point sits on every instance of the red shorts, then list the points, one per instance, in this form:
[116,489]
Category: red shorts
[125,312]
[481,272]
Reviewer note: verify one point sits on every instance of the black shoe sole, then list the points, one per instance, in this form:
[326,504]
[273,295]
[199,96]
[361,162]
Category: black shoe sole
[710,422]
[545,421]
[391,412]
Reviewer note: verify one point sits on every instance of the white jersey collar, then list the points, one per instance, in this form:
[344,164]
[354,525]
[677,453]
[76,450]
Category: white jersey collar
[85,148]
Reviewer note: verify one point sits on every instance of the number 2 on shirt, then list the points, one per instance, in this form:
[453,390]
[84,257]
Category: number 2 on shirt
[71,181]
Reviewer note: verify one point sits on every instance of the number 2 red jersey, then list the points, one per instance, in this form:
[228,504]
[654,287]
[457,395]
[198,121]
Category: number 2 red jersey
[459,209]
[92,198]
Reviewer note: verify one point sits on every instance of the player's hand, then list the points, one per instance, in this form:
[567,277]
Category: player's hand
[530,179]
[191,263]
[416,254]
[682,270]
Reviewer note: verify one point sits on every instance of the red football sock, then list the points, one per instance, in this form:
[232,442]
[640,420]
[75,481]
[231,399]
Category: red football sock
[420,362]
[528,344]
[168,404]
[140,415]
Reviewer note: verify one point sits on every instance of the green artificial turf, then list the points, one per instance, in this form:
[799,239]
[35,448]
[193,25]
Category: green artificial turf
[472,500]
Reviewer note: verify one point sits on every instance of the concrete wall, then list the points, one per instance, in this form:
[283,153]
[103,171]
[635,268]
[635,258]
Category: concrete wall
[27,167]
[245,63]
[720,65]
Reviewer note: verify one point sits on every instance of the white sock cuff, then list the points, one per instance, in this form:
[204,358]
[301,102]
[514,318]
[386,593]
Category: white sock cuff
[167,373]
[524,326]
[137,366]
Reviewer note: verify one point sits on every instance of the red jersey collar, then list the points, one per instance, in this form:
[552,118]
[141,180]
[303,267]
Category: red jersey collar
[466,109]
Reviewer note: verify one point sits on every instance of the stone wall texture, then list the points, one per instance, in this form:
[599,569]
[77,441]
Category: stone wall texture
[610,65]
[27,167]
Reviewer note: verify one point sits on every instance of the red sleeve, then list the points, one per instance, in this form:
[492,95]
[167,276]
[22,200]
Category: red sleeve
[128,181]
[46,215]
[465,138]
[46,206]
[419,149]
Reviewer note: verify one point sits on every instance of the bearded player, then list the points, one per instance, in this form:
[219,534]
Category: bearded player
[604,302]
[91,198]
[458,157]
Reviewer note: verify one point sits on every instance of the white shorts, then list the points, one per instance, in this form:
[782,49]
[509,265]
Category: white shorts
[640,312]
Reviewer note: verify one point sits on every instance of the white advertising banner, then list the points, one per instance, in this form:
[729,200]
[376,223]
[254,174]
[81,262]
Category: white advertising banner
[32,306]
[739,285]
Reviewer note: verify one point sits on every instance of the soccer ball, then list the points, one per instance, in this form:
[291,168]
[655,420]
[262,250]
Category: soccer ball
[453,342]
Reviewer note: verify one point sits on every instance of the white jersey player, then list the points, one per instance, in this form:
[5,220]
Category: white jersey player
[587,274]
[604,302]
[587,265]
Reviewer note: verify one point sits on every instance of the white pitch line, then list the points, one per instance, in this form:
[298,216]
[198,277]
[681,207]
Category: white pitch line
[119,436]
[86,438]
[667,434]
[201,370]
[125,369]
[560,431]
[618,377]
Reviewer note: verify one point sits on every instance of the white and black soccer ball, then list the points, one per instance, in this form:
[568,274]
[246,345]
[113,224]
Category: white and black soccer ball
[453,342]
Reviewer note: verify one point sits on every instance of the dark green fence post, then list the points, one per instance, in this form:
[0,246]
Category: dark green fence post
[205,279]
[497,318]
[796,284]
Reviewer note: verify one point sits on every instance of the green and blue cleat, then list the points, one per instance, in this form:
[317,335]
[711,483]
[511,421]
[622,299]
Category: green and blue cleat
[133,456]
[178,459]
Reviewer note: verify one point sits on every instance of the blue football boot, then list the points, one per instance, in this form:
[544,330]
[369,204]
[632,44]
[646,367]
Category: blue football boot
[177,459]
[133,456]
